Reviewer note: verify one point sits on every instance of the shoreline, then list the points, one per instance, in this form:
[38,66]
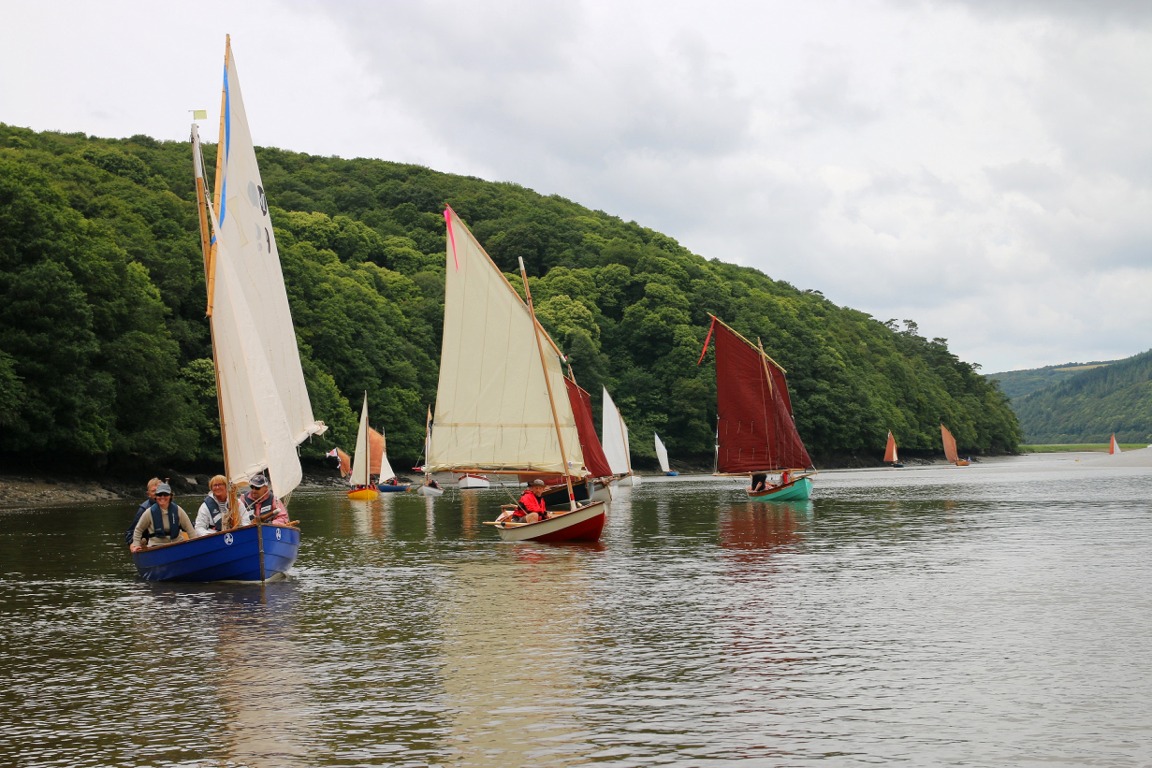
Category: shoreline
[24,489]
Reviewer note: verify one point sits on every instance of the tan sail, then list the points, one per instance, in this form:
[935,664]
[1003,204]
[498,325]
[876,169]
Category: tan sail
[890,454]
[950,452]
[492,403]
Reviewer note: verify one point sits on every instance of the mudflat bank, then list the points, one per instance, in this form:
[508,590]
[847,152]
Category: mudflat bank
[23,490]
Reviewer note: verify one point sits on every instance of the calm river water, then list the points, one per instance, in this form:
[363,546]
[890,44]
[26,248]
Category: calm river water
[995,615]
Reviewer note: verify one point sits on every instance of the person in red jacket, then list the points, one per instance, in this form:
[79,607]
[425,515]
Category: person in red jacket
[531,506]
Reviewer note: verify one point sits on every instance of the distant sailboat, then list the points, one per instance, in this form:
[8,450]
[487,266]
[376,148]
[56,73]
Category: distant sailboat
[662,457]
[756,432]
[472,481]
[1113,446]
[381,467]
[614,437]
[890,455]
[360,476]
[429,487]
[370,458]
[950,452]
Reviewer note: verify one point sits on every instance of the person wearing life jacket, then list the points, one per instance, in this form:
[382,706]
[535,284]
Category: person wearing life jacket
[530,508]
[212,516]
[140,510]
[260,501]
[162,522]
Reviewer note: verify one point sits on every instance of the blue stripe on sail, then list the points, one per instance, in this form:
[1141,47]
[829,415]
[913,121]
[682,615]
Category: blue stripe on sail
[222,203]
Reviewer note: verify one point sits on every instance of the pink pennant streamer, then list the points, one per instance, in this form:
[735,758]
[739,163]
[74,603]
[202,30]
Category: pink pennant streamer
[448,212]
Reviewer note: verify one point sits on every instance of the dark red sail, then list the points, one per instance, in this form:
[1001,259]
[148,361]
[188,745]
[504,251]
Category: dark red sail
[756,431]
[594,457]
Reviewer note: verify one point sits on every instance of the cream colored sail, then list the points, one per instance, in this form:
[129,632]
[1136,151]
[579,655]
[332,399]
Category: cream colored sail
[492,406]
[264,403]
[360,471]
[614,436]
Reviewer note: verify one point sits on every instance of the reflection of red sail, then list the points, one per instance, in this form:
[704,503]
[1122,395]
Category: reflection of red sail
[760,528]
[594,457]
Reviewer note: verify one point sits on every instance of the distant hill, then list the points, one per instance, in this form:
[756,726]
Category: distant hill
[1016,384]
[1083,402]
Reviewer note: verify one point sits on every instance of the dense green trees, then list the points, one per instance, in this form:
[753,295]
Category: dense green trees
[1089,403]
[104,351]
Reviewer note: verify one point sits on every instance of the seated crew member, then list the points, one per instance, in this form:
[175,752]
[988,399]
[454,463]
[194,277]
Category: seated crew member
[144,505]
[260,501]
[531,507]
[213,513]
[162,522]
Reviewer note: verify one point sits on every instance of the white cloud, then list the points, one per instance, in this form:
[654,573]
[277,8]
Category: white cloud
[980,167]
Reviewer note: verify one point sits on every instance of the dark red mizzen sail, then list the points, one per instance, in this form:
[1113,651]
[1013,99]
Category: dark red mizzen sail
[594,457]
[756,431]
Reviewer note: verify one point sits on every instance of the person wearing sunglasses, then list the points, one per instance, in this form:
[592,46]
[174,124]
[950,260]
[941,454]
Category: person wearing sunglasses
[259,500]
[162,523]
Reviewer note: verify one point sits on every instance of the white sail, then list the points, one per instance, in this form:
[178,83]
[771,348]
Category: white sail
[386,472]
[264,402]
[360,459]
[614,437]
[661,453]
[493,412]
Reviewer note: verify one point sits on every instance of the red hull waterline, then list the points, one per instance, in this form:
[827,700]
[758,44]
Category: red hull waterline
[584,524]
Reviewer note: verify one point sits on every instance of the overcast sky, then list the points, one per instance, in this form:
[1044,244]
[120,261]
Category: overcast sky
[982,167]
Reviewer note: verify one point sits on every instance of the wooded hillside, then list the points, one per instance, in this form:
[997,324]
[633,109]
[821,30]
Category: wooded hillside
[105,356]
[1017,384]
[1091,405]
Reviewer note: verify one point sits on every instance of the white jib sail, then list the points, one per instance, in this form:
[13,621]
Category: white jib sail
[661,453]
[614,436]
[386,471]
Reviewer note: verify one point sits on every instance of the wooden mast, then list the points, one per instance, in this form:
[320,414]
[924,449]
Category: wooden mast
[208,250]
[548,383]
